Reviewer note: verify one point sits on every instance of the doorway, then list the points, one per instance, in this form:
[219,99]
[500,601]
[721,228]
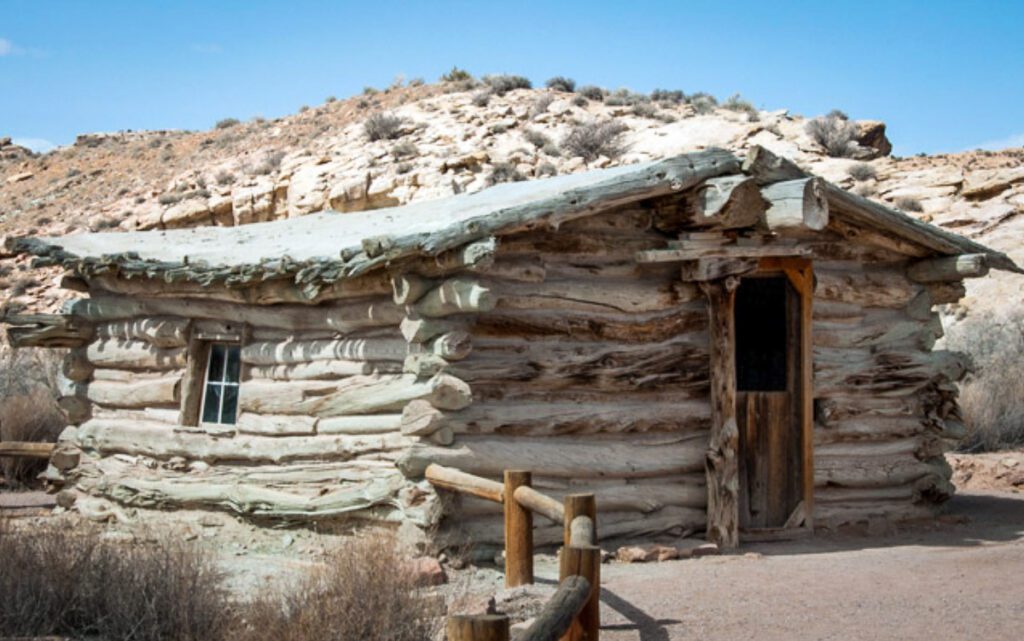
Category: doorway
[772,398]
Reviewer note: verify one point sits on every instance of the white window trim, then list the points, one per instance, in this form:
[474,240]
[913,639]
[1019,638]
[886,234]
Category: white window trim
[222,383]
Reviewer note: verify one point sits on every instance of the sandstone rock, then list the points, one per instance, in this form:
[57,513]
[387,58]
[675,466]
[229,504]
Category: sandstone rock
[16,178]
[646,553]
[427,571]
[983,186]
[471,161]
[187,213]
[871,135]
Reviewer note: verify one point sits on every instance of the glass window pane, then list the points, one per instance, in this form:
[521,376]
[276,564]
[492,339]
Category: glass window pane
[211,404]
[230,404]
[216,370]
[234,364]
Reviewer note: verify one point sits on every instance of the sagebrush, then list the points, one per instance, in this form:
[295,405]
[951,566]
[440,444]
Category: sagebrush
[594,139]
[835,133]
[28,407]
[383,126]
[992,398]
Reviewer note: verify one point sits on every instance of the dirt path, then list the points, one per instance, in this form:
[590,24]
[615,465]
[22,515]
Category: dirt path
[949,581]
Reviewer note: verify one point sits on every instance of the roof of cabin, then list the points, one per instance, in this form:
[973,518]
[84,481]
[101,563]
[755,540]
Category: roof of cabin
[331,246]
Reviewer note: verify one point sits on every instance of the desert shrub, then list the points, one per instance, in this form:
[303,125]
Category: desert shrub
[536,138]
[73,583]
[580,101]
[369,91]
[645,110]
[703,103]
[28,407]
[862,171]
[908,204]
[224,177]
[738,103]
[600,138]
[416,82]
[668,95]
[481,98]
[330,99]
[541,104]
[561,83]
[992,398]
[225,123]
[551,149]
[835,133]
[383,126]
[456,75]
[169,198]
[547,169]
[404,167]
[504,83]
[592,92]
[624,98]
[405,149]
[367,593]
[865,190]
[504,172]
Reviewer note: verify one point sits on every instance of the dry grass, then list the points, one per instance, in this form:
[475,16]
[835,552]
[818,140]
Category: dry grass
[54,581]
[992,398]
[28,407]
[367,594]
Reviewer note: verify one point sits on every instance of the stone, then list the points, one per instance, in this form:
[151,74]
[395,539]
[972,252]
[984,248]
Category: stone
[17,178]
[706,549]
[646,553]
[871,135]
[427,571]
[66,499]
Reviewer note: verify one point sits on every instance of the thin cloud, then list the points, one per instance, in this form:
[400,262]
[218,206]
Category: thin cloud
[41,145]
[205,47]
[1013,140]
[7,47]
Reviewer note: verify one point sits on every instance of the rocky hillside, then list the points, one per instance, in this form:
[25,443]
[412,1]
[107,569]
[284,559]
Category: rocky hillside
[428,141]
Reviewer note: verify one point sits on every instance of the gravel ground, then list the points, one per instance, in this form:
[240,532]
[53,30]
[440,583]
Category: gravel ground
[952,580]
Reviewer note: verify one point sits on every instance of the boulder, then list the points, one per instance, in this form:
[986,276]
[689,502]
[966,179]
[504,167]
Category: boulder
[427,571]
[871,135]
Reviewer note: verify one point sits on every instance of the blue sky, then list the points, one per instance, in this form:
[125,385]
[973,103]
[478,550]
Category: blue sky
[945,76]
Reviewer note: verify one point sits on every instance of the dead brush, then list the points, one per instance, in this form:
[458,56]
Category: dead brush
[73,583]
[28,407]
[368,593]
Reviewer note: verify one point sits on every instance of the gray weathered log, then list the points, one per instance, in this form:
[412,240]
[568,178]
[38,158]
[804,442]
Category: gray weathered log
[728,202]
[166,331]
[767,167]
[134,355]
[796,205]
[950,268]
[456,296]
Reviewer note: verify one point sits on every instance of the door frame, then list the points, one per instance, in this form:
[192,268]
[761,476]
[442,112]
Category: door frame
[800,274]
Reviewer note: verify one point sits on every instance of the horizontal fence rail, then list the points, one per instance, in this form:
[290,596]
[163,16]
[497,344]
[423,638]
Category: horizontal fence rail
[573,613]
[26,449]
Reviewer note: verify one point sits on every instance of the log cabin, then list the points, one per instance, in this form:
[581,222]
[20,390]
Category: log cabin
[709,343]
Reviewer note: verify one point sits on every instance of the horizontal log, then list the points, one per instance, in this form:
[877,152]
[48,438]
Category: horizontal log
[455,296]
[420,330]
[593,294]
[887,329]
[581,531]
[561,363]
[671,520]
[767,167]
[46,330]
[833,515]
[300,351]
[155,440]
[26,449]
[796,205]
[868,288]
[362,500]
[275,425]
[365,424]
[634,457]
[457,481]
[949,268]
[352,395]
[165,331]
[453,346]
[628,328]
[540,503]
[727,202]
[118,354]
[322,370]
[872,471]
[946,293]
[139,393]
[566,417]
[847,371]
[343,318]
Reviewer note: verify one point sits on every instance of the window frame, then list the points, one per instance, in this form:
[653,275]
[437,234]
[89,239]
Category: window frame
[222,383]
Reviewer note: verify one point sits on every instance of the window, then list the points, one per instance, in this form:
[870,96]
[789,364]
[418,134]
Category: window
[220,391]
[762,335]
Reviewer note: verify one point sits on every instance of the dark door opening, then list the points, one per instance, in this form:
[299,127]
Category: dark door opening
[768,401]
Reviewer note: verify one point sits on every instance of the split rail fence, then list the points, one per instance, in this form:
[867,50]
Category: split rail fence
[573,612]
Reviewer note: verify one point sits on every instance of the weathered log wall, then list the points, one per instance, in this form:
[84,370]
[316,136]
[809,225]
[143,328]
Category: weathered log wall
[558,353]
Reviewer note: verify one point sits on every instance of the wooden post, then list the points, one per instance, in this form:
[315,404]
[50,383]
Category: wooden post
[721,462]
[518,532]
[478,627]
[579,505]
[584,561]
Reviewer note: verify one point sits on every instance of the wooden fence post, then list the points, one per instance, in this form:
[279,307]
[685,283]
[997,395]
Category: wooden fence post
[584,561]
[478,627]
[518,532]
[579,505]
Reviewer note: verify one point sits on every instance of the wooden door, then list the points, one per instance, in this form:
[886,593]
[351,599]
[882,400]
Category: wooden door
[770,410]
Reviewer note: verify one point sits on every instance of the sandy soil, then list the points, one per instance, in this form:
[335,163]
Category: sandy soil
[957,578]
[946,581]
